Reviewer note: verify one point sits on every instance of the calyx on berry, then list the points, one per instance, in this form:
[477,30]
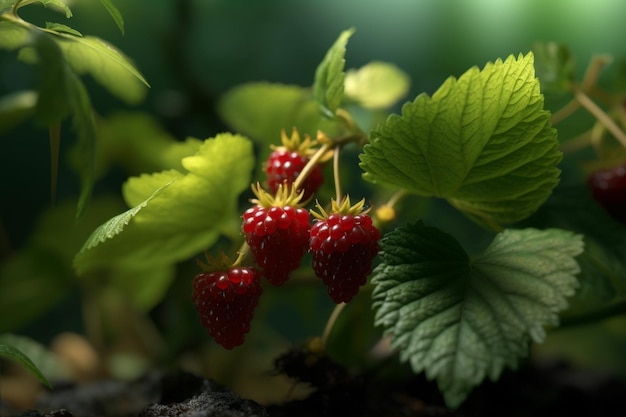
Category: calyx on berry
[343,243]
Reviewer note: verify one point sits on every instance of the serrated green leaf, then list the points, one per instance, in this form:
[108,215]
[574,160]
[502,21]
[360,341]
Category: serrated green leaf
[184,218]
[58,27]
[555,66]
[116,225]
[377,85]
[14,354]
[13,35]
[329,76]
[115,14]
[461,321]
[16,107]
[483,142]
[261,110]
[93,56]
[603,265]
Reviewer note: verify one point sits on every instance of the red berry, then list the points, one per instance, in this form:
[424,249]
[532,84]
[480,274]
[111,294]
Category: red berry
[343,245]
[225,301]
[286,163]
[277,232]
[608,187]
[285,166]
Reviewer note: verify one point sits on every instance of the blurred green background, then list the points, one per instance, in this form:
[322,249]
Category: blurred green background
[192,51]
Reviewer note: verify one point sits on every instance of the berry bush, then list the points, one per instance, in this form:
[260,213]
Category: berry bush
[338,186]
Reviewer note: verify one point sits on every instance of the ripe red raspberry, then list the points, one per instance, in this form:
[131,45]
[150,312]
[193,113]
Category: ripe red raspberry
[277,232]
[286,162]
[609,189]
[225,301]
[343,245]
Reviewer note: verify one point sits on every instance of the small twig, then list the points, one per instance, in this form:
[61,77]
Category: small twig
[601,115]
[297,184]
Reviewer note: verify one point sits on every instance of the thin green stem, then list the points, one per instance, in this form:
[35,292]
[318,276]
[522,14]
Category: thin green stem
[331,322]
[311,164]
[601,115]
[338,193]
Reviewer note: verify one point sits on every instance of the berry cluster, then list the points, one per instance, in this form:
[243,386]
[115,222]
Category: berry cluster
[343,243]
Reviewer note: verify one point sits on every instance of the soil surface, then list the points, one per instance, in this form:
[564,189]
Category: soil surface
[536,389]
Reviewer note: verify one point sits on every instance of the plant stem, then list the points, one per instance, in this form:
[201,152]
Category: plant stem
[338,194]
[331,321]
[310,165]
[601,115]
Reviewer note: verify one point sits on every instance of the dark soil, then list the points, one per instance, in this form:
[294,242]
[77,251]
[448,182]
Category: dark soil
[536,389]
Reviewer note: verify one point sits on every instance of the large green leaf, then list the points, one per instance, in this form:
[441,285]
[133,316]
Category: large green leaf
[329,76]
[56,4]
[91,55]
[261,110]
[6,5]
[483,142]
[461,321]
[183,219]
[603,264]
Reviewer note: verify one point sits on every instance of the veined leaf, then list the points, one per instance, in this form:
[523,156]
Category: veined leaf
[115,14]
[603,265]
[483,142]
[114,226]
[377,85]
[91,55]
[184,218]
[13,36]
[462,320]
[329,76]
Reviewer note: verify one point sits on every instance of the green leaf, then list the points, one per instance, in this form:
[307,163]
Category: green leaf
[13,36]
[56,4]
[58,27]
[6,5]
[461,321]
[52,104]
[14,354]
[377,85]
[555,66]
[261,110]
[16,107]
[114,226]
[483,142]
[183,219]
[45,360]
[115,14]
[91,55]
[603,265]
[329,76]
[85,127]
